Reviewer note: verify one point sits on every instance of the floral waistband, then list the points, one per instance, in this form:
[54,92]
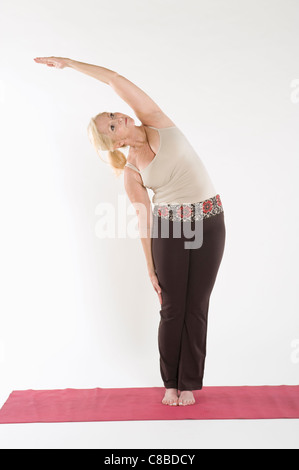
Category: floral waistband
[189,211]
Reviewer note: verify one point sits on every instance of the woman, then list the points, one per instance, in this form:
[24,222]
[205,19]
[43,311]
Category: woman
[183,275]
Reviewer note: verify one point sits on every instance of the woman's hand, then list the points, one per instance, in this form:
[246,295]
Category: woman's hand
[155,282]
[58,62]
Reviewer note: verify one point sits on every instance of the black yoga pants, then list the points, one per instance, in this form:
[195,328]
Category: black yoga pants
[186,277]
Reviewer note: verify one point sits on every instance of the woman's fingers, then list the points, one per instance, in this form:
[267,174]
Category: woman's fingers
[159,292]
[42,60]
[45,59]
[48,62]
[156,286]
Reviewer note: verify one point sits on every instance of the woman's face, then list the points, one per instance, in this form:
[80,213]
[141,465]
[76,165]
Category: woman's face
[117,126]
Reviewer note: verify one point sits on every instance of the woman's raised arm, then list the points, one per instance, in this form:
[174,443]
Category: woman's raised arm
[137,99]
[95,71]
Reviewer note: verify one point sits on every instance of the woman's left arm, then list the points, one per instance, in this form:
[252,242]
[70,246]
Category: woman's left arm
[137,99]
[95,71]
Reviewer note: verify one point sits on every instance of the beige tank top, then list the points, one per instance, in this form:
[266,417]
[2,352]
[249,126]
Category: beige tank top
[176,175]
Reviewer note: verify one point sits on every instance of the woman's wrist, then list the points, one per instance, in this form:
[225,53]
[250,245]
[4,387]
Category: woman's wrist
[151,271]
[68,62]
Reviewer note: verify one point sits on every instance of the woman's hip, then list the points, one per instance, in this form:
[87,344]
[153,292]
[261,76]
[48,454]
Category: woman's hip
[189,223]
[189,212]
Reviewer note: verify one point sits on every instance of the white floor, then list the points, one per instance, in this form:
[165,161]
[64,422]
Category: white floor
[184,434]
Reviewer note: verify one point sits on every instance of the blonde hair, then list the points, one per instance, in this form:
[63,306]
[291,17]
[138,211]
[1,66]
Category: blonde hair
[116,158]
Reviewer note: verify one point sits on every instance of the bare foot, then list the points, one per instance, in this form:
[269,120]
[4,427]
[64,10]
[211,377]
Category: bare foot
[186,397]
[170,397]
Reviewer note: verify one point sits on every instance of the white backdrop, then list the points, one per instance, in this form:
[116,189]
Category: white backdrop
[79,311]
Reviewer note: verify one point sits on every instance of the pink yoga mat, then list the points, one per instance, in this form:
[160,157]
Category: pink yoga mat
[122,404]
